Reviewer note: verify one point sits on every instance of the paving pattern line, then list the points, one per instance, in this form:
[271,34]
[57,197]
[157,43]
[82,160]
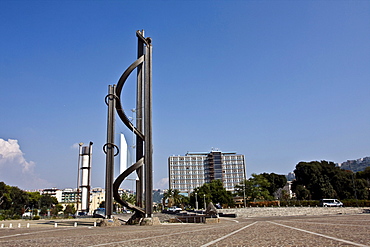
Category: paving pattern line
[30,233]
[158,236]
[237,221]
[321,235]
[228,235]
[321,223]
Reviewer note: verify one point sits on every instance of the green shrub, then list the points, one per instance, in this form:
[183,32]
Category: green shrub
[263,204]
[16,217]
[299,203]
[36,217]
[356,203]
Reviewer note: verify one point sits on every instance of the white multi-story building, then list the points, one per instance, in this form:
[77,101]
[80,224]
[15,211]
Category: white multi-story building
[194,169]
[72,196]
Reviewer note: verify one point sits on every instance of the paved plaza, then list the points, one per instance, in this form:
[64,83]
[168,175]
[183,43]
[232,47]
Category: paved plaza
[329,230]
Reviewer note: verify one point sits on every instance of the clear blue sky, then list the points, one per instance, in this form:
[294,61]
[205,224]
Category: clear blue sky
[277,81]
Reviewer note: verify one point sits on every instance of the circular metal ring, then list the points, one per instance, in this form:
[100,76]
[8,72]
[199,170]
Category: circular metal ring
[106,97]
[112,144]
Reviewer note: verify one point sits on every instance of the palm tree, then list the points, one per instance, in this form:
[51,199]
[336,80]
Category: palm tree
[168,196]
[173,197]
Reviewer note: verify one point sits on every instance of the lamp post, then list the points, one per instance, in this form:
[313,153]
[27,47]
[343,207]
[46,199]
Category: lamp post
[245,180]
[204,198]
[196,201]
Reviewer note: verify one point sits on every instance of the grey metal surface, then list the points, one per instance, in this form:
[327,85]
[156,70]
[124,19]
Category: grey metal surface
[142,130]
[148,130]
[118,182]
[139,122]
[109,173]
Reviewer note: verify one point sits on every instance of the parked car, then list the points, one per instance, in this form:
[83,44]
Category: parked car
[330,203]
[99,213]
[174,209]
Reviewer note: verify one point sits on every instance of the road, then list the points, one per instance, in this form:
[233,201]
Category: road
[338,230]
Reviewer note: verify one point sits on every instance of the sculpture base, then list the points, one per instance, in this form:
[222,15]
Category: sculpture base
[108,222]
[150,221]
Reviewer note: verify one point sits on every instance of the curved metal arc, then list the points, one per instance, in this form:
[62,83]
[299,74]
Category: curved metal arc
[126,74]
[127,122]
[118,182]
[119,87]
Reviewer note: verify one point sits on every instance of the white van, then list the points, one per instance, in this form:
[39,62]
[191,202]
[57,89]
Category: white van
[330,203]
[27,214]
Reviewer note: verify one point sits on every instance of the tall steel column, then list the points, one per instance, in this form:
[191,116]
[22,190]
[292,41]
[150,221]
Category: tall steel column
[148,131]
[139,122]
[109,150]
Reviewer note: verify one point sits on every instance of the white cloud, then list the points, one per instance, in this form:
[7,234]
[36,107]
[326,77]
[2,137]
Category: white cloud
[15,170]
[162,184]
[75,146]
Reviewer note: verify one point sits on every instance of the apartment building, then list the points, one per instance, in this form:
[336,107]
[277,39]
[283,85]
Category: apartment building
[194,169]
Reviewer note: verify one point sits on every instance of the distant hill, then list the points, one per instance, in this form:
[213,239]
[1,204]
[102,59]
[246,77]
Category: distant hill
[355,165]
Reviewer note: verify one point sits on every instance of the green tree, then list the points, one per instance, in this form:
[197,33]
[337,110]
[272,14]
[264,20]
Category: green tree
[276,181]
[69,210]
[365,176]
[255,188]
[302,193]
[173,197]
[211,192]
[48,201]
[56,209]
[12,199]
[34,199]
[128,197]
[326,180]
[44,211]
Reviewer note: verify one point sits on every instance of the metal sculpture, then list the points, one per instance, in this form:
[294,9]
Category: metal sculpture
[142,130]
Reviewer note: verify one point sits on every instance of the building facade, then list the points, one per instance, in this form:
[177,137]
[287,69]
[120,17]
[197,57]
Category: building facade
[194,169]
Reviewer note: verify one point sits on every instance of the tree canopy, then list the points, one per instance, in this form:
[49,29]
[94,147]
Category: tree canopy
[14,201]
[276,181]
[316,180]
[211,192]
[255,188]
[174,198]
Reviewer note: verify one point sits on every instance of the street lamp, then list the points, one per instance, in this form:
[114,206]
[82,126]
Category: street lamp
[245,180]
[196,201]
[204,197]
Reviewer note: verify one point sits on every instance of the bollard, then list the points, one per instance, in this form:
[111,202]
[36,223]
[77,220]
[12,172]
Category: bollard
[56,224]
[95,224]
[10,225]
[75,224]
[2,225]
[28,225]
[19,225]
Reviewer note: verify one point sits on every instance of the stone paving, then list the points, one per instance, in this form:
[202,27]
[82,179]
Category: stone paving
[336,229]
[291,211]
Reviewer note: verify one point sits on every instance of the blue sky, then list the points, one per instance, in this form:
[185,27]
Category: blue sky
[278,81]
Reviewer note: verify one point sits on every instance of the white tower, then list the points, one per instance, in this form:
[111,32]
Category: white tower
[124,154]
[125,159]
[85,167]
